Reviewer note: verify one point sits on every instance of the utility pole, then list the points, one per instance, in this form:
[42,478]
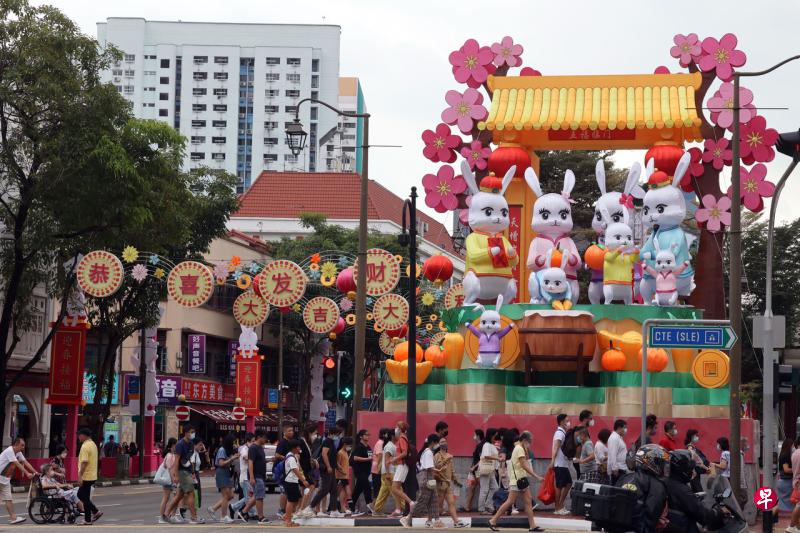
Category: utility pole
[142,396]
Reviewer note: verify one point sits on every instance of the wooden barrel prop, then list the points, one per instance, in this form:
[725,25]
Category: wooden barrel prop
[555,339]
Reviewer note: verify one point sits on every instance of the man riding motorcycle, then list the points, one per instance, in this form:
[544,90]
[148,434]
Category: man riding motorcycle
[685,509]
[649,515]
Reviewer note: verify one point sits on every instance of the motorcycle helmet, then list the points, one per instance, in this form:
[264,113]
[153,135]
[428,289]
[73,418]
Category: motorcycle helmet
[681,465]
[651,458]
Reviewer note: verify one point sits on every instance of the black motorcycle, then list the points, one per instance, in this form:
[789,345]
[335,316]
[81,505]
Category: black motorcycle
[734,523]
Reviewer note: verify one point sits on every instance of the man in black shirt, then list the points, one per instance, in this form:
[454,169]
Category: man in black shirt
[281,451]
[257,475]
[327,485]
[361,461]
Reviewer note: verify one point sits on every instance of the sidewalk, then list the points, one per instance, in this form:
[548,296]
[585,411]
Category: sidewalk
[545,520]
[106,483]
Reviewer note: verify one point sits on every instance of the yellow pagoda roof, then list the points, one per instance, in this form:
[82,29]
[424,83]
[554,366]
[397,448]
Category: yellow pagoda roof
[604,102]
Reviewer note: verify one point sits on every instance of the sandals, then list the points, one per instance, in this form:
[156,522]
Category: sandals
[493,527]
[537,528]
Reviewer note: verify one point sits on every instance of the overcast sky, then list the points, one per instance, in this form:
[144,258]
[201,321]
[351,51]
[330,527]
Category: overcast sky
[399,51]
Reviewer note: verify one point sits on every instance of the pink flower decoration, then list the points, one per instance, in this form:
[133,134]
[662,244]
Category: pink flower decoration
[441,189]
[696,169]
[721,105]
[714,213]
[687,48]
[528,71]
[464,109]
[440,144]
[470,61]
[463,214]
[717,153]
[476,155]
[754,187]
[507,53]
[661,70]
[757,140]
[721,55]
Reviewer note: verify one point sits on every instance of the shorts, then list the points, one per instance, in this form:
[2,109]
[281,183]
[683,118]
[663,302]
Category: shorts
[292,491]
[400,474]
[343,482]
[5,492]
[258,489]
[185,481]
[563,476]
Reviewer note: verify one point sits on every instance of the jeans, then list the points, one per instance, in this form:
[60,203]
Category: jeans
[85,496]
[362,486]
[238,505]
[488,486]
[385,492]
[326,486]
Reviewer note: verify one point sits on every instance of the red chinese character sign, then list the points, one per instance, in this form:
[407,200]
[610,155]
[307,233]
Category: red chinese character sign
[66,365]
[454,297]
[390,311]
[190,284]
[320,315]
[383,272]
[248,383]
[282,283]
[100,273]
[765,499]
[250,309]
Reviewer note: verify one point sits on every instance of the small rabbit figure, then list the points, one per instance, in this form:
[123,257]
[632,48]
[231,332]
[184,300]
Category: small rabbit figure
[664,210]
[550,285]
[490,334]
[666,274]
[248,341]
[614,203]
[490,256]
[552,222]
[621,255]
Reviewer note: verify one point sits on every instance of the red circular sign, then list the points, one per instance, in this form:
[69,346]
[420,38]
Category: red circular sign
[765,499]
[182,413]
[238,413]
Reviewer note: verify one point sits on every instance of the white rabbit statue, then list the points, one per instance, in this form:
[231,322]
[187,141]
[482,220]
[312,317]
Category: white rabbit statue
[552,222]
[550,285]
[664,210]
[490,334]
[614,203]
[621,255]
[248,342]
[490,256]
[666,274]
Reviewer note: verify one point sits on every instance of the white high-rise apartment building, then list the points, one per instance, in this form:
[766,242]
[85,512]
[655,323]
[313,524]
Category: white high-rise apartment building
[342,148]
[230,89]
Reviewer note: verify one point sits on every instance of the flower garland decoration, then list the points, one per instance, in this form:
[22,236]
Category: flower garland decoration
[130,254]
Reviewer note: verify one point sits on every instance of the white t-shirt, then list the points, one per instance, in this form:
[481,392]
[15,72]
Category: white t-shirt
[289,467]
[389,450]
[724,456]
[600,452]
[243,449]
[490,450]
[561,459]
[426,459]
[6,458]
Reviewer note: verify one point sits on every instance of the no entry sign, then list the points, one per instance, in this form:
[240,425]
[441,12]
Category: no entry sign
[182,413]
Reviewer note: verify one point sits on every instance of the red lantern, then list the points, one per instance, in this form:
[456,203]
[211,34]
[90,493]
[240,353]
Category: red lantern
[337,329]
[396,334]
[346,283]
[255,284]
[507,155]
[666,157]
[438,269]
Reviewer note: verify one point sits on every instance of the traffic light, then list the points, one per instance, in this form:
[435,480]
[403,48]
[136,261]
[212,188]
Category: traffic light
[345,377]
[329,363]
[789,144]
[784,383]
[346,393]
[329,391]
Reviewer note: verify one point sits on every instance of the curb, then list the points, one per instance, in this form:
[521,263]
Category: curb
[114,483]
[560,524]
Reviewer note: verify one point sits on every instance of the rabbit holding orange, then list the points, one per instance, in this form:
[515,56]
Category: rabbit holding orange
[490,255]
[552,222]
[666,274]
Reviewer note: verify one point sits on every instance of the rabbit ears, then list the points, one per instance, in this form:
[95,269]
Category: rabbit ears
[680,168]
[672,247]
[607,217]
[631,183]
[469,177]
[564,259]
[533,182]
[499,303]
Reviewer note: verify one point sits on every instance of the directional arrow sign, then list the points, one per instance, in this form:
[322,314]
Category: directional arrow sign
[710,337]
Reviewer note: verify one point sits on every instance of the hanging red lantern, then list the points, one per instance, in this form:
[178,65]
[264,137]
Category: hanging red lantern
[346,283]
[396,334]
[438,269]
[256,284]
[337,329]
[666,155]
[507,155]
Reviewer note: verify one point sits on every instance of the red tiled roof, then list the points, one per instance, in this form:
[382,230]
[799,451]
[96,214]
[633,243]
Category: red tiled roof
[336,195]
[253,242]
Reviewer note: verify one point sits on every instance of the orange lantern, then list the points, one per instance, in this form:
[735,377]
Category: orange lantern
[594,257]
[401,352]
[438,269]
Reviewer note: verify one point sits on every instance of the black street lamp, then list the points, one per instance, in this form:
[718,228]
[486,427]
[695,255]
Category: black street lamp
[296,137]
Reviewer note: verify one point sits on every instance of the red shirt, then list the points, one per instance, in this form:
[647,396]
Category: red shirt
[668,443]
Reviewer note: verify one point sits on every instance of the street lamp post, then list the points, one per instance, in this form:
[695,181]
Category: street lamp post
[296,139]
[410,239]
[735,311]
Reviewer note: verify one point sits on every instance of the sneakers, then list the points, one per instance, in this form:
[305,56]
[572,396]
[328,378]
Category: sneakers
[264,521]
[240,516]
[96,516]
[281,514]
[176,520]
[163,520]
[406,521]
[228,520]
[18,520]
[211,511]
[322,514]
[336,514]
[357,514]
[196,521]
[563,512]
[460,524]
[514,511]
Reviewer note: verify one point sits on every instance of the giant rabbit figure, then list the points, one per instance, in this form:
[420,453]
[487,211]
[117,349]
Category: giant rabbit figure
[664,210]
[490,256]
[552,222]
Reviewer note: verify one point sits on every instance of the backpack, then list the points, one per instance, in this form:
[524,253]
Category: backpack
[412,458]
[569,447]
[279,471]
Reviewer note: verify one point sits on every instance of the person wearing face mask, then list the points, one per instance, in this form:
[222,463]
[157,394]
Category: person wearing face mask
[442,429]
[784,484]
[377,459]
[183,479]
[57,462]
[361,461]
[446,480]
[401,470]
[724,464]
[668,442]
[586,462]
[327,484]
[617,451]
[690,442]
[685,510]
[560,464]
[308,466]
[427,498]
[472,481]
[585,419]
[343,475]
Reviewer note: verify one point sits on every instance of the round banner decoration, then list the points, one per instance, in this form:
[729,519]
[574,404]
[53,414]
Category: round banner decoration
[383,272]
[509,345]
[390,311]
[250,309]
[282,283]
[711,369]
[190,284]
[454,297]
[321,314]
[100,273]
[385,344]
[437,338]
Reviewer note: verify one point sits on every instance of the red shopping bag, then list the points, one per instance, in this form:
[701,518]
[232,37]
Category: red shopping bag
[547,491]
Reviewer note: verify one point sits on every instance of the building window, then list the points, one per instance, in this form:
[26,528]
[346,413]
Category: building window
[272,93]
[218,140]
[163,80]
[199,76]
[314,112]
[220,92]
[273,61]
[315,95]
[348,137]
[221,76]
[128,89]
[149,57]
[270,125]
[218,157]
[293,93]
[116,72]
[165,63]
[198,123]
[293,61]
[197,156]
[221,60]
[295,78]
[149,72]
[315,65]
[198,139]
[129,73]
[271,109]
[289,158]
[270,141]
[199,60]
[270,158]
[314,81]
[219,123]
[290,109]
[220,107]
[349,125]
[130,58]
[199,91]
[163,112]
[274,76]
[198,107]
[150,89]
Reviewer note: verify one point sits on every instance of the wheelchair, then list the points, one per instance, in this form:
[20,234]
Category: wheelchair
[45,507]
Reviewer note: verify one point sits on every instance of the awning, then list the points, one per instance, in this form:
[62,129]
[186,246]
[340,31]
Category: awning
[223,418]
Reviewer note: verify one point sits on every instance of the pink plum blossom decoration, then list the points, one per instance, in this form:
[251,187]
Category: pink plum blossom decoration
[754,187]
[717,153]
[476,155]
[442,188]
[721,106]
[721,55]
[440,144]
[464,109]
[757,141]
[528,71]
[139,272]
[714,213]
[470,61]
[687,48]
[506,52]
